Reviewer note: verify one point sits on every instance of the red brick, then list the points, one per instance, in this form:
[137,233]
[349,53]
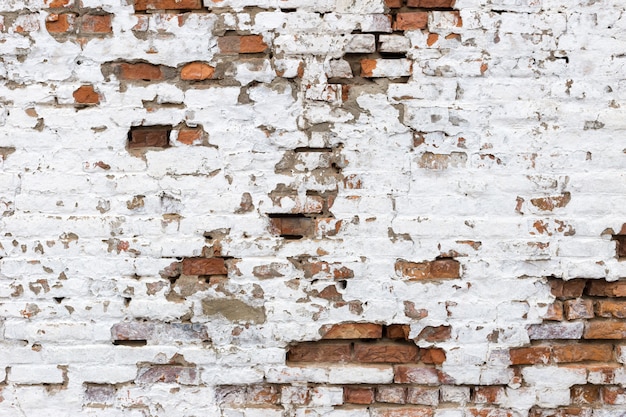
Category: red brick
[353,331]
[292,226]
[552,202]
[530,355]
[398,331]
[385,353]
[582,352]
[438,269]
[262,395]
[610,308]
[149,136]
[409,374]
[601,288]
[391,394]
[435,334]
[358,395]
[60,23]
[585,394]
[86,95]
[394,4]
[249,44]
[603,329]
[434,356]
[555,311]
[188,135]
[143,5]
[197,71]
[567,289]
[319,352]
[402,412]
[93,23]
[432,4]
[411,21]
[204,266]
[488,395]
[140,71]
[578,309]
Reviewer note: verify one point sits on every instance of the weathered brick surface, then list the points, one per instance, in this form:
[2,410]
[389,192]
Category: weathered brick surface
[312,207]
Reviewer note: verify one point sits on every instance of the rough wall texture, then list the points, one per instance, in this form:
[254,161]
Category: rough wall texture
[342,208]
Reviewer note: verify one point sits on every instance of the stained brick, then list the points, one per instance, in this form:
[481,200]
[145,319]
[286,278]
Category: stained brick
[578,309]
[168,374]
[423,396]
[582,352]
[292,226]
[320,352]
[555,311]
[613,395]
[358,395]
[402,412]
[573,330]
[585,394]
[385,353]
[607,289]
[488,395]
[530,355]
[435,333]
[438,269]
[60,23]
[391,394]
[408,374]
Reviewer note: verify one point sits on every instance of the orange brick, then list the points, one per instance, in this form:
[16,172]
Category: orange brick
[204,266]
[411,21]
[86,95]
[291,226]
[555,311]
[398,331]
[488,395]
[579,353]
[143,5]
[435,356]
[188,135]
[614,395]
[353,331]
[319,352]
[60,23]
[96,24]
[610,308]
[530,355]
[408,374]
[358,395]
[140,71]
[241,44]
[197,71]
[604,329]
[385,353]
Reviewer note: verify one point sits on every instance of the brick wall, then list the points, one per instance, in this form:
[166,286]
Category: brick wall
[290,208]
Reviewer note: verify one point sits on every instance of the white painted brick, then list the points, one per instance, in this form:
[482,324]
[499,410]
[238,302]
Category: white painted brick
[35,374]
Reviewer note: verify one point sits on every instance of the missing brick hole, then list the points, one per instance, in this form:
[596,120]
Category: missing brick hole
[58,300]
[311,149]
[157,136]
[127,301]
[620,246]
[131,343]
[342,284]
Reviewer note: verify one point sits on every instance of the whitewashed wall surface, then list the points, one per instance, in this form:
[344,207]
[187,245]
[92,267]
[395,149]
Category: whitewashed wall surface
[307,208]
